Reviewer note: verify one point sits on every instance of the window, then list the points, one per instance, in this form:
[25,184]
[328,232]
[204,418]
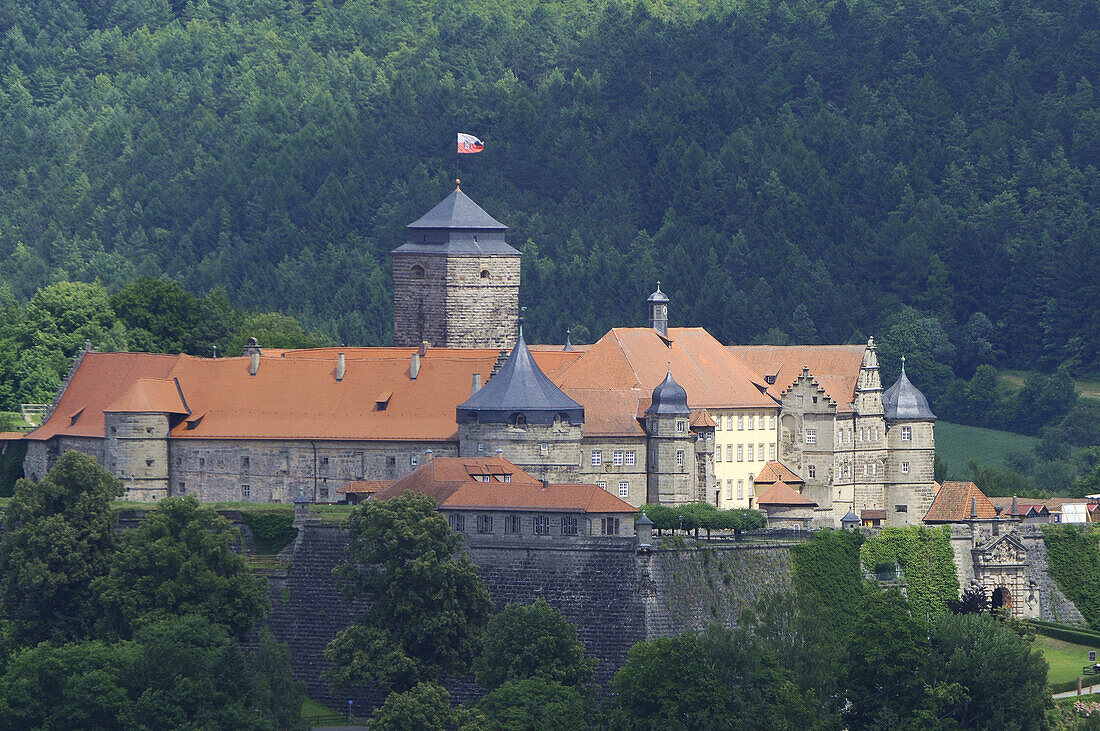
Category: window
[417,271]
[718,422]
[484,273]
[740,453]
[750,422]
[729,489]
[859,435]
[601,485]
[815,399]
[544,449]
[901,508]
[751,476]
[750,454]
[811,436]
[324,465]
[630,458]
[653,458]
[811,470]
[183,488]
[681,425]
[609,526]
[323,492]
[568,525]
[906,433]
[864,470]
[246,491]
[617,457]
[740,489]
[905,468]
[874,469]
[484,524]
[202,462]
[760,452]
[414,460]
[504,478]
[483,478]
[624,489]
[597,457]
[179,461]
[771,422]
[718,453]
[740,421]
[513,523]
[458,523]
[771,451]
[679,458]
[480,448]
[542,525]
[848,469]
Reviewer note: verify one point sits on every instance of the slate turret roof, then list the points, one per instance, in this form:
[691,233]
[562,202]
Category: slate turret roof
[904,401]
[458,210]
[456,226]
[520,387]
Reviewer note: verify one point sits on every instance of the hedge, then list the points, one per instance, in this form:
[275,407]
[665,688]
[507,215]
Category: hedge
[1075,565]
[271,531]
[926,559]
[1074,635]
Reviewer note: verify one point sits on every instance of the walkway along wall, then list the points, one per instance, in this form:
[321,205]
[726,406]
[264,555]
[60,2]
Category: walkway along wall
[615,594]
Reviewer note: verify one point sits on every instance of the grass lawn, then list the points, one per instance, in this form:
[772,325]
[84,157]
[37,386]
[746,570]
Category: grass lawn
[312,708]
[1016,378]
[1065,659]
[958,444]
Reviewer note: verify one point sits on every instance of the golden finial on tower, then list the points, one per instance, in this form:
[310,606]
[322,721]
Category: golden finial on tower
[458,182]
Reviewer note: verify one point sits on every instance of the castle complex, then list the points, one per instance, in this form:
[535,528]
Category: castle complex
[654,414]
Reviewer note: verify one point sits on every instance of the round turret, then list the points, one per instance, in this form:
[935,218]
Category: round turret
[903,400]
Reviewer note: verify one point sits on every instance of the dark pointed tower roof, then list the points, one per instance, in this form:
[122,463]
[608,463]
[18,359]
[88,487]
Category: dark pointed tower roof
[903,400]
[457,226]
[669,398]
[520,387]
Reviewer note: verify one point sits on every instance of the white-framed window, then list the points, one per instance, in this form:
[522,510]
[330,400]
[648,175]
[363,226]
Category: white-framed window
[609,526]
[771,422]
[864,470]
[513,524]
[848,469]
[569,525]
[624,488]
[601,485]
[630,458]
[484,478]
[729,489]
[859,434]
[679,458]
[729,453]
[681,425]
[750,425]
[811,470]
[617,457]
[597,457]
[718,453]
[484,524]
[906,433]
[811,436]
[760,452]
[740,453]
[246,491]
[874,468]
[480,448]
[740,489]
[458,523]
[905,468]
[760,422]
[740,421]
[544,449]
[414,460]
[718,422]
[771,451]
[541,525]
[750,453]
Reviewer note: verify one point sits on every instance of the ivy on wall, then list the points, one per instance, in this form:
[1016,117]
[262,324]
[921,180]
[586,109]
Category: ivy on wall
[826,572]
[927,564]
[1074,555]
[271,531]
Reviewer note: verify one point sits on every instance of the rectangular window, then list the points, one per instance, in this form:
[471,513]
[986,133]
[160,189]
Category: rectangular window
[729,489]
[679,458]
[771,451]
[874,469]
[597,457]
[681,425]
[324,465]
[609,526]
[617,457]
[414,460]
[183,488]
[568,525]
[750,422]
[740,421]
[864,470]
[542,525]
[718,453]
[601,485]
[480,448]
[484,524]
[513,523]
[740,489]
[458,523]
[624,489]
[323,492]
[202,462]
[718,422]
[484,478]
[750,454]
[901,508]
[771,422]
[811,436]
[246,463]
[544,449]
[630,458]
[848,469]
[811,470]
[653,458]
[740,453]
[905,468]
[246,491]
[906,433]
[760,452]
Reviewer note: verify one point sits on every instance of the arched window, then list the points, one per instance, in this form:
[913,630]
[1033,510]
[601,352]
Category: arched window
[417,271]
[484,273]
[519,420]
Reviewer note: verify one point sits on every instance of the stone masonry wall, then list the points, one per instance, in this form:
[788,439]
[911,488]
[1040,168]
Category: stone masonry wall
[1054,606]
[419,303]
[482,312]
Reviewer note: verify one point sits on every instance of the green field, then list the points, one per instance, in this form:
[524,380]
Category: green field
[1065,659]
[958,444]
[1015,379]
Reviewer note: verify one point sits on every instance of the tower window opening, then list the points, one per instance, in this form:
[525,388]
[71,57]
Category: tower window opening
[417,271]
[484,273]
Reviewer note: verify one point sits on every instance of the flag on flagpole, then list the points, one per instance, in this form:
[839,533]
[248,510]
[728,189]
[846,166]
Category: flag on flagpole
[468,144]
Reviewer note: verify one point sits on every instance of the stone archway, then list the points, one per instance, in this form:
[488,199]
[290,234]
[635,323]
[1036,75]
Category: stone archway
[1002,597]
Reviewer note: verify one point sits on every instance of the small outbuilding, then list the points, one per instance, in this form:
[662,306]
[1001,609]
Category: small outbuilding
[785,507]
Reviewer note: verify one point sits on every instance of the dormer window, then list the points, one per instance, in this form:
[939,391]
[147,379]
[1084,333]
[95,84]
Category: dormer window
[417,271]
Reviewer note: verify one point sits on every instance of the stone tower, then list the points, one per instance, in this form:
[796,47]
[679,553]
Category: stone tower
[456,280]
[524,415]
[911,440]
[670,445]
[867,439]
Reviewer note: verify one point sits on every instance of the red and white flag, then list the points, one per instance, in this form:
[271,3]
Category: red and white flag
[468,144]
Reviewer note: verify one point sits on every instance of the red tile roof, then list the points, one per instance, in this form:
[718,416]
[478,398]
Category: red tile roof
[952,503]
[834,367]
[775,471]
[781,494]
[872,514]
[363,487]
[11,436]
[455,483]
[701,418]
[149,395]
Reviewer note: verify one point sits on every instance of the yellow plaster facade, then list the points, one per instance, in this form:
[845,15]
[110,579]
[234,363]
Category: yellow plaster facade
[744,441]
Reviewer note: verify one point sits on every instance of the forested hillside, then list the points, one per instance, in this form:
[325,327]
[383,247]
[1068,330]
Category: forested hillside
[787,169]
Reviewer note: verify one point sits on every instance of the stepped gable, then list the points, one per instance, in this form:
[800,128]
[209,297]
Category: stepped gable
[953,503]
[781,494]
[456,226]
[903,400]
[520,387]
[100,380]
[835,368]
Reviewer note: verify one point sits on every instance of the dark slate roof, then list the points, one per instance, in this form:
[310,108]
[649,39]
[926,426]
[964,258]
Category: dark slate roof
[456,227]
[458,210]
[904,401]
[520,387]
[658,296]
[669,398]
[850,517]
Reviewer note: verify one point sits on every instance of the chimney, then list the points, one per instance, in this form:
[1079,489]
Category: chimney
[1015,507]
[341,367]
[428,456]
[973,507]
[414,369]
[254,364]
[476,385]
[500,453]
[423,348]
